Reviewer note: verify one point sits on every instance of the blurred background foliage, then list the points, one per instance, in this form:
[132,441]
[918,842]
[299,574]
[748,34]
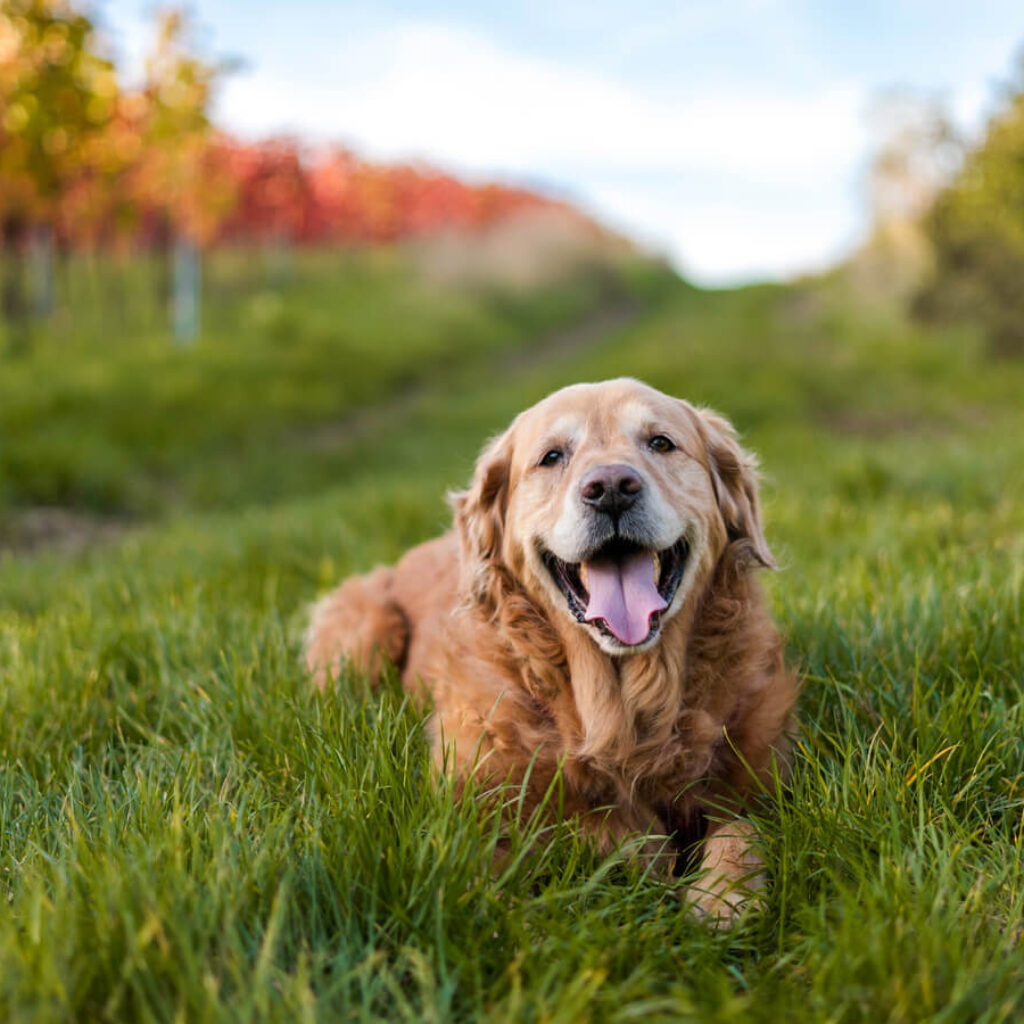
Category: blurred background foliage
[976,229]
[948,217]
[90,167]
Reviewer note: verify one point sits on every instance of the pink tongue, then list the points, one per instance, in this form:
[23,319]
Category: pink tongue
[625,596]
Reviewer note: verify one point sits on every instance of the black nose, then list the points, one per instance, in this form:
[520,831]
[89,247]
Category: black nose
[611,489]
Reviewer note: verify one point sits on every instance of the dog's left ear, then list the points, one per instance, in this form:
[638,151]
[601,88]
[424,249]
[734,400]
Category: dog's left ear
[480,518]
[734,476]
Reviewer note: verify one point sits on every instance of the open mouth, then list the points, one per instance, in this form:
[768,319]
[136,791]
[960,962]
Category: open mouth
[622,588]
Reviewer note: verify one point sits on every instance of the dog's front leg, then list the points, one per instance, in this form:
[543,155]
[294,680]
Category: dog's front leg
[732,873]
[636,837]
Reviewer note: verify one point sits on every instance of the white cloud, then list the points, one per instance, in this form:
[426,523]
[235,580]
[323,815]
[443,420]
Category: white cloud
[721,178]
[729,241]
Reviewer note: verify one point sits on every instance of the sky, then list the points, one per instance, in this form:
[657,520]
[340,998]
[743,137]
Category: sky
[731,135]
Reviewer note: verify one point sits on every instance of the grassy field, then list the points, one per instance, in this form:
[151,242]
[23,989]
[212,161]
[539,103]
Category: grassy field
[106,414]
[189,833]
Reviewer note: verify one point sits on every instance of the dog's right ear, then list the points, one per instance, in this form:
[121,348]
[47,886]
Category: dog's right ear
[480,519]
[734,478]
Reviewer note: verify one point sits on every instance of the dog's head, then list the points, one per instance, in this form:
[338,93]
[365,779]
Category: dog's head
[608,504]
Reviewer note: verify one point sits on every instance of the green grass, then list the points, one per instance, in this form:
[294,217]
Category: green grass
[190,833]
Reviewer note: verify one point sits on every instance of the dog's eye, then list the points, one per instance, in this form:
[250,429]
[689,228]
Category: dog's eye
[660,443]
[552,457]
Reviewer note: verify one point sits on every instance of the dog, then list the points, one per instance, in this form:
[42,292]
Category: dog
[595,613]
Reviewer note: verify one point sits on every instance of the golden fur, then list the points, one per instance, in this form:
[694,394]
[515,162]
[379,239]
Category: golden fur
[665,738]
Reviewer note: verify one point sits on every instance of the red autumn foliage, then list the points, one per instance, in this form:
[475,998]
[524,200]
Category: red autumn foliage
[96,165]
[275,191]
[283,194]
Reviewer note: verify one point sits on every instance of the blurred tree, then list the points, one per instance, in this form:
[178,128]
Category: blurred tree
[181,181]
[56,94]
[976,227]
[917,156]
[917,153]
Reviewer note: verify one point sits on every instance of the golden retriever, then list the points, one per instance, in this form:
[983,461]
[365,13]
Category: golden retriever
[594,612]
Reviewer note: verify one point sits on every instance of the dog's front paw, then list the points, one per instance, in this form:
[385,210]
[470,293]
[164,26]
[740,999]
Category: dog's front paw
[733,879]
[722,905]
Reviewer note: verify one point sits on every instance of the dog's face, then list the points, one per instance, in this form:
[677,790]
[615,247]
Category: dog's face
[608,504]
